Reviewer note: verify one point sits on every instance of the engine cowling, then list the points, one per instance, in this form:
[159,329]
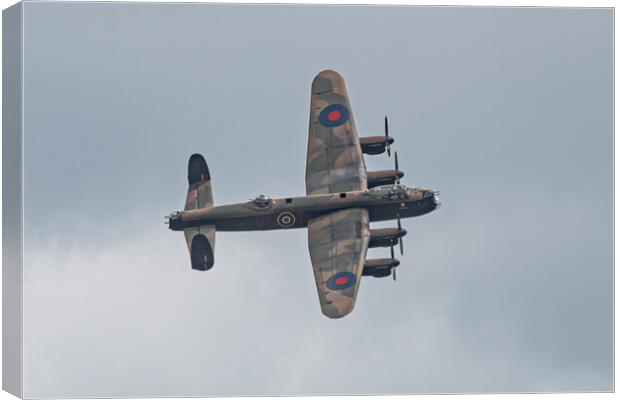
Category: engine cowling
[385,237]
[380,267]
[373,145]
[383,177]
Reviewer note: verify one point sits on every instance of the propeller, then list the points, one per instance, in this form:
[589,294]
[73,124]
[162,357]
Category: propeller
[387,141]
[400,243]
[396,167]
[393,268]
[400,239]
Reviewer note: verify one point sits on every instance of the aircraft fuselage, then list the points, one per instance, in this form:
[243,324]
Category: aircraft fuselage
[382,203]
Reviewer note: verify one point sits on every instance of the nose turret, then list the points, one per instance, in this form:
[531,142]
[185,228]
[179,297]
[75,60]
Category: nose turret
[432,196]
[435,194]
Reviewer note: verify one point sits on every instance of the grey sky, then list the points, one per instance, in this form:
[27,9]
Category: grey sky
[508,287]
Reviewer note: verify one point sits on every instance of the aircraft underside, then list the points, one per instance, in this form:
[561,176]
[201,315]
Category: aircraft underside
[342,199]
[299,218]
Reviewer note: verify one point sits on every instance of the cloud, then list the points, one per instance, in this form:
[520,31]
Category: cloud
[128,317]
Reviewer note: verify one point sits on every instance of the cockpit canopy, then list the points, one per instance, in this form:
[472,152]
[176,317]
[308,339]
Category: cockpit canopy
[390,192]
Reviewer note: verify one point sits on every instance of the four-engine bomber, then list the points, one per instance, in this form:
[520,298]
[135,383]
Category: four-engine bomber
[342,199]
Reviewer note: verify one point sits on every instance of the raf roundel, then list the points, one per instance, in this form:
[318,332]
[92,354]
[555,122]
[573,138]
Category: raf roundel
[341,280]
[334,115]
[286,219]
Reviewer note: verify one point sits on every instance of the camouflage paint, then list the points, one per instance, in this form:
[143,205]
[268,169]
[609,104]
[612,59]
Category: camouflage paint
[338,242]
[246,216]
[334,162]
[337,210]
[199,197]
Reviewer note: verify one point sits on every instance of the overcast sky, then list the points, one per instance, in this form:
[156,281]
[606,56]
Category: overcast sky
[507,111]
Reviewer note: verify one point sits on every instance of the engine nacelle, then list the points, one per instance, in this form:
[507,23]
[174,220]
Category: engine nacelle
[385,237]
[380,267]
[384,177]
[375,144]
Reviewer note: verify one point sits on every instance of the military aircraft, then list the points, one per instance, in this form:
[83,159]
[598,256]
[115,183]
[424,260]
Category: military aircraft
[342,198]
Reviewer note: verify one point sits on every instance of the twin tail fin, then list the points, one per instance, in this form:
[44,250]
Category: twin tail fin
[200,239]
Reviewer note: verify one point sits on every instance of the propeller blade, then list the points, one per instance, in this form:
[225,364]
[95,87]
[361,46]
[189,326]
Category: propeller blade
[396,167]
[387,143]
[400,239]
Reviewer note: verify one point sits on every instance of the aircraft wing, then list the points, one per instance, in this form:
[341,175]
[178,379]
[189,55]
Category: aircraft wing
[335,162]
[338,242]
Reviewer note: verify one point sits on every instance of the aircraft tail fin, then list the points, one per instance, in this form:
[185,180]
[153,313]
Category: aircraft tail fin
[200,239]
[199,192]
[201,245]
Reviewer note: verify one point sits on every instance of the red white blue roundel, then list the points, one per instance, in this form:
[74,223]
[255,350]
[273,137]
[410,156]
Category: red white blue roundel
[341,280]
[334,115]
